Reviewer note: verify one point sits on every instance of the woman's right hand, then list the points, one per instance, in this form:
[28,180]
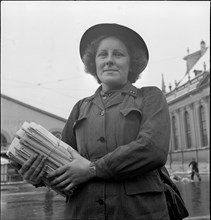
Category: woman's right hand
[33,169]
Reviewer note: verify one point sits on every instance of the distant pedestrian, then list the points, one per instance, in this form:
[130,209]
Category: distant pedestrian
[195,169]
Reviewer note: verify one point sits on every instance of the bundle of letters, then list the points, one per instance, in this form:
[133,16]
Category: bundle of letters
[34,139]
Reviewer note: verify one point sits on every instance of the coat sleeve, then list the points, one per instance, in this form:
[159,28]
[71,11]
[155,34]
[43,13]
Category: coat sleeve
[68,135]
[150,149]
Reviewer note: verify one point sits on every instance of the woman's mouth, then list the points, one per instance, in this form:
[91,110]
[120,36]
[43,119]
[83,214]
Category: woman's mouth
[110,70]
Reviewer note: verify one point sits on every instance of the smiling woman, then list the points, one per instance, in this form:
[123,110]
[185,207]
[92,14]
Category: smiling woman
[121,134]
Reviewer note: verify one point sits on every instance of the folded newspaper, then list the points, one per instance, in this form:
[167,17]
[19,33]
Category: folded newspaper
[33,139]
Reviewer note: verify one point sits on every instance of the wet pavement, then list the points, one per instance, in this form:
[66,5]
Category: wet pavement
[39,204]
[196,196]
[19,203]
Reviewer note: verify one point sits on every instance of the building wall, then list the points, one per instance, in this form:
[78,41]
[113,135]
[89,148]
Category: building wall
[14,113]
[189,98]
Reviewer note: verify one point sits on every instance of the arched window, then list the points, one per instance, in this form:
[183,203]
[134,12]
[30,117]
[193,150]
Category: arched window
[57,134]
[3,141]
[187,130]
[203,127]
[175,133]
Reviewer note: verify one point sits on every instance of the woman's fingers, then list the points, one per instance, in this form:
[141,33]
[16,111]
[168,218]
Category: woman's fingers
[63,184]
[70,187]
[60,180]
[38,179]
[15,165]
[26,166]
[39,171]
[33,169]
[57,172]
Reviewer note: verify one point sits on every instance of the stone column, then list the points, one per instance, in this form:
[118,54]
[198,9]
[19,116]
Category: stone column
[190,111]
[205,102]
[171,143]
[196,124]
[182,129]
[177,116]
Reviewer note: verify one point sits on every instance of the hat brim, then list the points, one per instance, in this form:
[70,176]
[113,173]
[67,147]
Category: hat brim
[112,29]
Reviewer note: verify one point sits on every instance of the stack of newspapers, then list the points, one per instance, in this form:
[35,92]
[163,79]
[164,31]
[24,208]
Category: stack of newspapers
[33,139]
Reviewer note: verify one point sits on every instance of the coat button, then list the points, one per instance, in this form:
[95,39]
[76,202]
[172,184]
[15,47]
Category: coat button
[100,201]
[102,139]
[102,113]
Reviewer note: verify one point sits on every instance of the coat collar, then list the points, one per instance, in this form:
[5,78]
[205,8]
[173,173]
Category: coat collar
[127,89]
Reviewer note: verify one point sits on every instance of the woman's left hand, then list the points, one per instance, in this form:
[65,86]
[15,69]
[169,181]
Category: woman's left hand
[68,176]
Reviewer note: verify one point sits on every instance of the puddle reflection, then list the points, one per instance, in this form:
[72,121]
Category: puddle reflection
[196,197]
[48,205]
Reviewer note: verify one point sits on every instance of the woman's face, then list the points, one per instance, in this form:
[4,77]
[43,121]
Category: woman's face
[112,63]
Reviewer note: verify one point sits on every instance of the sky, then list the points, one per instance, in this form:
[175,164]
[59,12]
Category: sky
[40,61]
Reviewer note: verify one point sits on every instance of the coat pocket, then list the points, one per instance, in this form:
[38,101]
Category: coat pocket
[127,111]
[79,121]
[144,184]
[129,125]
[80,134]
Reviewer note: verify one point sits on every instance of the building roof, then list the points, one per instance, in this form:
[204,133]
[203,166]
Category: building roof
[197,63]
[200,81]
[32,107]
[192,59]
[199,60]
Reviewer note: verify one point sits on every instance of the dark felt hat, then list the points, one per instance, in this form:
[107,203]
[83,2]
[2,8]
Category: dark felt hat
[112,29]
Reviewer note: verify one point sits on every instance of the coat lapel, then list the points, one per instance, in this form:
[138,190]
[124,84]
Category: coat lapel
[117,98]
[98,101]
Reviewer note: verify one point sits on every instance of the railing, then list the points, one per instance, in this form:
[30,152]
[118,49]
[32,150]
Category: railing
[6,178]
[184,89]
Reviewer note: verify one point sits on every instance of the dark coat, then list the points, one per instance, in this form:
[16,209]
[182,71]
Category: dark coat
[128,138]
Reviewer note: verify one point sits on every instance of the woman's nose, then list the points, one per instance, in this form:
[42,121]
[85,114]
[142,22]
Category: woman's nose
[109,61]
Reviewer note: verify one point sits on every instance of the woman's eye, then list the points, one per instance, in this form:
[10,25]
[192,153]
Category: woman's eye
[103,54]
[118,54]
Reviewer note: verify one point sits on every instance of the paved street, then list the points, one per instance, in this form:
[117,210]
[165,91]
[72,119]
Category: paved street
[27,203]
[38,204]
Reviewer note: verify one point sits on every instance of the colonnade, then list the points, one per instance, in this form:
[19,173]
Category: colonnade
[195,120]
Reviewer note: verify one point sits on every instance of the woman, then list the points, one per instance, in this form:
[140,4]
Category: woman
[121,133]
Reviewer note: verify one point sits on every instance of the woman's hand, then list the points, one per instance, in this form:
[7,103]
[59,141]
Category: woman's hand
[33,170]
[69,176]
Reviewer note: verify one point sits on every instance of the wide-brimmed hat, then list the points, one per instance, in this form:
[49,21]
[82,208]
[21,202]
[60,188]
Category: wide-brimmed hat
[112,29]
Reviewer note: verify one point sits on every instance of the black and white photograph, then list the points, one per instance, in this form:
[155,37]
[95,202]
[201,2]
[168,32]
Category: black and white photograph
[105,110]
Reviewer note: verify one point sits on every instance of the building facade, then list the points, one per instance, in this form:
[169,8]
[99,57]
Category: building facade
[189,106]
[13,114]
